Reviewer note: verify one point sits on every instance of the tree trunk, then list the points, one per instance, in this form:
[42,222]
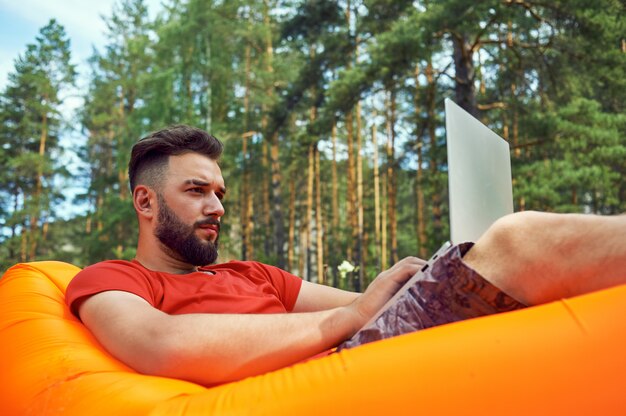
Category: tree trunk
[517,151]
[351,183]
[279,232]
[16,198]
[377,225]
[243,208]
[277,213]
[351,186]
[391,179]
[249,224]
[34,219]
[318,220]
[245,190]
[265,186]
[98,214]
[334,234]
[433,154]
[24,244]
[383,224]
[307,243]
[302,258]
[122,171]
[266,176]
[359,201]
[335,187]
[419,180]
[208,117]
[292,222]
[465,91]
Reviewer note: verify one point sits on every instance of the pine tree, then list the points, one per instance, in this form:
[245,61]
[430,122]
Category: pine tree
[32,122]
[113,117]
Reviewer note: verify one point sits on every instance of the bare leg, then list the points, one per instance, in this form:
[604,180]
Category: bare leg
[540,257]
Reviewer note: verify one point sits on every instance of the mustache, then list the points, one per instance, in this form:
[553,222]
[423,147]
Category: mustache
[208,221]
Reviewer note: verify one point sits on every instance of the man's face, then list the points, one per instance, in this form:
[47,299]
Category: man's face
[188,227]
[181,239]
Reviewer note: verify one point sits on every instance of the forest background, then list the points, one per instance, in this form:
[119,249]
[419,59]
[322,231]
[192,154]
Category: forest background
[331,113]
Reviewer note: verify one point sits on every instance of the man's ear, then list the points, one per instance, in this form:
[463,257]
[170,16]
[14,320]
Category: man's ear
[143,201]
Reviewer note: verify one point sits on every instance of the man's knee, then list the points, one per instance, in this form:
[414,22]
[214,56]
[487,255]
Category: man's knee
[509,234]
[506,255]
[538,257]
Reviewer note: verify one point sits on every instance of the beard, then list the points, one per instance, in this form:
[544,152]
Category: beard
[180,239]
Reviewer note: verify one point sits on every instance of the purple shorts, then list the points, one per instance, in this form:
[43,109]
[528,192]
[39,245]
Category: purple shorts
[449,291]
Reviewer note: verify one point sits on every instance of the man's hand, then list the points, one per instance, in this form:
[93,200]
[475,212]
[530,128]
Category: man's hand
[383,288]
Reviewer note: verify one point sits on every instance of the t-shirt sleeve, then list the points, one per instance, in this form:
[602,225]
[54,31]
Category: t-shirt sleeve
[287,285]
[105,276]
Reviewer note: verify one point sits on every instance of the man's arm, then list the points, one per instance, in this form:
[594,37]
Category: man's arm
[217,348]
[315,297]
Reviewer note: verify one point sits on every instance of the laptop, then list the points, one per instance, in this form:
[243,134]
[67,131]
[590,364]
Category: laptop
[479,180]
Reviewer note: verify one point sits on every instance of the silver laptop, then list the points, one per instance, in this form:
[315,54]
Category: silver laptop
[480,186]
[479,175]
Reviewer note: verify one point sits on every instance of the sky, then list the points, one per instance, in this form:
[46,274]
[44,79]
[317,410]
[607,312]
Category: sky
[20,22]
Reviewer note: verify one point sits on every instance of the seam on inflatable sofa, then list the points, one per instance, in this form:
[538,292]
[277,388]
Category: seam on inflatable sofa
[574,316]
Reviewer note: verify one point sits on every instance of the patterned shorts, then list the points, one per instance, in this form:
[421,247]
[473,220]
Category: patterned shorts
[449,291]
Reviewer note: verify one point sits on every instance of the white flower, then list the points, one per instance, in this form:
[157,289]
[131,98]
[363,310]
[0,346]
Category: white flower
[345,267]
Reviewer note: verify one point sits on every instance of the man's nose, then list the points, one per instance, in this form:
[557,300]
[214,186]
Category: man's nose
[213,206]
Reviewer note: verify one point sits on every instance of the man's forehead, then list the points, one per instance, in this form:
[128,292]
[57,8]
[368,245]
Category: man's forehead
[192,161]
[193,166]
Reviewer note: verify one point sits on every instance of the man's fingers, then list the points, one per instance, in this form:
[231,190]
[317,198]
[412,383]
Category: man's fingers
[404,269]
[411,262]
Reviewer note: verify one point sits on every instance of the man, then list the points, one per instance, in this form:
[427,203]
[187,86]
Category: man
[165,313]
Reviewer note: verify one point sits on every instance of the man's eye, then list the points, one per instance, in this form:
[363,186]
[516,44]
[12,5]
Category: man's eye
[197,190]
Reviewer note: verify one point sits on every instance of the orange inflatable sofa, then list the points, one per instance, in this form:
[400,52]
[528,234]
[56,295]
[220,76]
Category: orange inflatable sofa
[562,358]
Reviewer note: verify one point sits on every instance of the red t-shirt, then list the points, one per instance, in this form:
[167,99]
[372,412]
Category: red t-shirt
[233,287]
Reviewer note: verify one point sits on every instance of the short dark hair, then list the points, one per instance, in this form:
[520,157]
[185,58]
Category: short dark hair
[150,155]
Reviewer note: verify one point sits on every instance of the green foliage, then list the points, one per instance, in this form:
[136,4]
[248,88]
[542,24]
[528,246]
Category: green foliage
[584,164]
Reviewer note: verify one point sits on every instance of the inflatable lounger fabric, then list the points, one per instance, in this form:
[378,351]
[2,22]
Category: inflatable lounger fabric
[566,357]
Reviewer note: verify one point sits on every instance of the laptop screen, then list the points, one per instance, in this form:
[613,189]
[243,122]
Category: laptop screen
[479,175]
